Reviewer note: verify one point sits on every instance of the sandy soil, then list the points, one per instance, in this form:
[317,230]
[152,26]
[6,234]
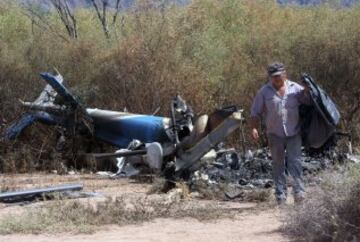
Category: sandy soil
[253,222]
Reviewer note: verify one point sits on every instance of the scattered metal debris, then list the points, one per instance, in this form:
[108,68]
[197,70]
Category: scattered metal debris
[319,119]
[179,140]
[253,170]
[68,191]
[353,158]
[179,146]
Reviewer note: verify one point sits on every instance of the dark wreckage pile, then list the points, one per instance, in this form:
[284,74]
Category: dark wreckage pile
[234,172]
[253,170]
[183,146]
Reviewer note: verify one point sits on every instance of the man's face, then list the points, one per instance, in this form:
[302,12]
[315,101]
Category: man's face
[278,80]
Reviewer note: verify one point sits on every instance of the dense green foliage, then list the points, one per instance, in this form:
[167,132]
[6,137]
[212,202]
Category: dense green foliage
[214,53]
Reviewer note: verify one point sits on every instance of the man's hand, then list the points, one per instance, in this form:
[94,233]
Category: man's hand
[255,134]
[254,124]
[305,86]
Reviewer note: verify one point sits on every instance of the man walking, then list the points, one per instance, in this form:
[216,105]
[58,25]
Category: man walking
[278,103]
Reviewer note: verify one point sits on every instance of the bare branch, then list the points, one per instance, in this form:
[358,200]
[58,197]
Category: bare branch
[42,23]
[117,8]
[66,16]
[105,3]
[355,107]
[102,17]
[72,16]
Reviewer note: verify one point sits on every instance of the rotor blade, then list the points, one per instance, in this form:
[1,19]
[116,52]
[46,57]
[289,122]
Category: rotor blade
[56,83]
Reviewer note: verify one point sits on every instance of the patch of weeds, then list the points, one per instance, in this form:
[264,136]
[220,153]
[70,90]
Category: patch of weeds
[331,212]
[210,191]
[80,217]
[258,195]
[158,186]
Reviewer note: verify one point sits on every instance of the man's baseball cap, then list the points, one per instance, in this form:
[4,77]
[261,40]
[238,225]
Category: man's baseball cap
[276,69]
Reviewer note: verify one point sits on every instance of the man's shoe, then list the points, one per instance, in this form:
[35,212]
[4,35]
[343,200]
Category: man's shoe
[299,198]
[281,201]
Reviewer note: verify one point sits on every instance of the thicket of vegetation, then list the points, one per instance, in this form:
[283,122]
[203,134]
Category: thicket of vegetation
[331,212]
[213,53]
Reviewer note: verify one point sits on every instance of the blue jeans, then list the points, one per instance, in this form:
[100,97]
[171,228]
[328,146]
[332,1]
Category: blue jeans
[286,155]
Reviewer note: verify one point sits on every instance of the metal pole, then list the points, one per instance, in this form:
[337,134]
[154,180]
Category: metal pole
[119,154]
[32,193]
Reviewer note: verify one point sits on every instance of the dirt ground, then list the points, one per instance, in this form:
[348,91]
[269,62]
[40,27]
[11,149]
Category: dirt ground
[253,222]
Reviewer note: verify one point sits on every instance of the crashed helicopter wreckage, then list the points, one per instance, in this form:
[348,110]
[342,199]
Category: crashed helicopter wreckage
[182,145]
[172,143]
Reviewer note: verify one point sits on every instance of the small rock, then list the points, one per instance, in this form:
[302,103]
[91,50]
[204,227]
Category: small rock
[204,177]
[195,195]
[174,195]
[71,173]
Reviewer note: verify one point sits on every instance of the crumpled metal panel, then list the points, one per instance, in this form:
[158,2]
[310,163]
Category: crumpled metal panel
[322,101]
[218,134]
[120,129]
[320,120]
[15,130]
[56,83]
[28,119]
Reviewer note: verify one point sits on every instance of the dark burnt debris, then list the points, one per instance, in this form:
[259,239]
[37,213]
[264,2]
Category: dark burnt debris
[236,172]
[179,146]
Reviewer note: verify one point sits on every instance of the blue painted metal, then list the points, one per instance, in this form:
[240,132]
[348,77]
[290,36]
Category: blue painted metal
[28,119]
[55,82]
[121,130]
[322,101]
[116,128]
[15,130]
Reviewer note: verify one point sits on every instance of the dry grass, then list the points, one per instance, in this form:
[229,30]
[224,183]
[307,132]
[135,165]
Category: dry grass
[80,217]
[213,53]
[222,191]
[158,185]
[258,195]
[332,210]
[210,191]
